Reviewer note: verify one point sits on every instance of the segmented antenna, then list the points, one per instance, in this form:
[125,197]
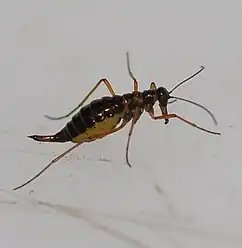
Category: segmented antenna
[198,105]
[185,80]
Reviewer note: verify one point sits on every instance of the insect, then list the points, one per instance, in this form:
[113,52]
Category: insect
[110,114]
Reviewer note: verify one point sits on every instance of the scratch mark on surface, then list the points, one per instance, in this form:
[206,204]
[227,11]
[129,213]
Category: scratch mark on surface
[81,214]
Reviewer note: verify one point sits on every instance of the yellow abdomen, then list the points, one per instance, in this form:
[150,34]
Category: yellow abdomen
[107,125]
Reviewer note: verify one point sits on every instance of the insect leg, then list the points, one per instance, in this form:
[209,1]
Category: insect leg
[98,136]
[47,166]
[136,117]
[136,85]
[107,84]
[169,116]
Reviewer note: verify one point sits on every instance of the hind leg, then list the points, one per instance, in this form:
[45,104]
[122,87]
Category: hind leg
[106,83]
[98,136]
[47,166]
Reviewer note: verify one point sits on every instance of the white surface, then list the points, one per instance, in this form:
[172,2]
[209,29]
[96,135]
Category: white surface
[185,187]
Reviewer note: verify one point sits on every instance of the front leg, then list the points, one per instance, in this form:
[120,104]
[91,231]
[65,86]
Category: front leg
[169,116]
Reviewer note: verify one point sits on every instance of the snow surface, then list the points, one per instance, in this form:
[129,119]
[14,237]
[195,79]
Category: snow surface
[184,189]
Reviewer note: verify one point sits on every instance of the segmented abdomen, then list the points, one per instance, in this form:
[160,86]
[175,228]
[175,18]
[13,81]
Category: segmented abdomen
[98,115]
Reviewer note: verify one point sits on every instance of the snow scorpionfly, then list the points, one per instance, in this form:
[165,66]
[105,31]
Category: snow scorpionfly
[110,114]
